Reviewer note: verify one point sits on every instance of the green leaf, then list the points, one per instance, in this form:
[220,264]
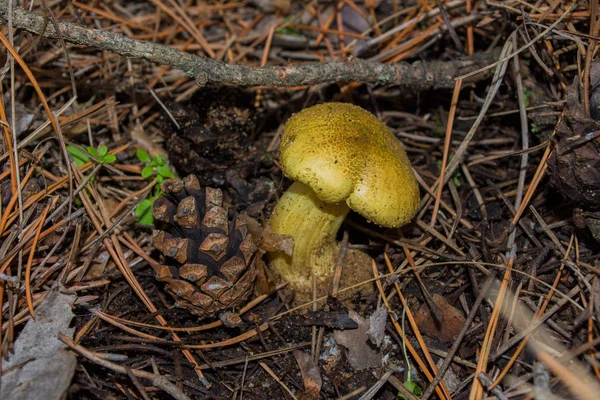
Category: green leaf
[147,172]
[92,151]
[143,212]
[110,158]
[160,179]
[79,157]
[165,171]
[160,160]
[76,152]
[142,155]
[102,150]
[143,207]
[146,219]
[456,179]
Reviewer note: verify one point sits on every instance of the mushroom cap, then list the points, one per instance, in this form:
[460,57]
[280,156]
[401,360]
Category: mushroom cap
[344,153]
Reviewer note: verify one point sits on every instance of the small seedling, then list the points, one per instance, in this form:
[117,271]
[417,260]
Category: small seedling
[526,96]
[438,132]
[101,154]
[533,127]
[455,176]
[288,30]
[80,157]
[155,166]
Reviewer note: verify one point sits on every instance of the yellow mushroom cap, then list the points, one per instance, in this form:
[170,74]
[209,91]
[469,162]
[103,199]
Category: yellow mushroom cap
[344,153]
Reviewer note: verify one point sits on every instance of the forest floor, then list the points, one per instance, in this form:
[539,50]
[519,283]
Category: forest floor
[491,291]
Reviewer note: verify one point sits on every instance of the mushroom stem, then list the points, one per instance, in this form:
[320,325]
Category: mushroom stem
[313,224]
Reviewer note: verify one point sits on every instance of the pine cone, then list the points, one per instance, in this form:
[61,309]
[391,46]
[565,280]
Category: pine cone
[209,259]
[575,162]
[214,134]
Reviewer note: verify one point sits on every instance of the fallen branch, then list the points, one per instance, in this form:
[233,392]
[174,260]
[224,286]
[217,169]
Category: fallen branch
[420,76]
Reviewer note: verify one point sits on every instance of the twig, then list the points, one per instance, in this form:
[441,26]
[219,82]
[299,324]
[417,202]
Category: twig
[434,75]
[157,380]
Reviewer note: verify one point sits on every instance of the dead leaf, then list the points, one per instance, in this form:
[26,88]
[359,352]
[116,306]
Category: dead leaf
[377,325]
[273,241]
[254,227]
[451,324]
[264,283]
[361,354]
[43,368]
[452,381]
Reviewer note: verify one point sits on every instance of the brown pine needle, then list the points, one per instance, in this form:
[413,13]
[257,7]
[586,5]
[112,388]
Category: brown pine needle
[42,219]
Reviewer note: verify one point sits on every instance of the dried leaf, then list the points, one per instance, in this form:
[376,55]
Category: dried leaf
[273,241]
[377,325]
[451,324]
[43,368]
[361,354]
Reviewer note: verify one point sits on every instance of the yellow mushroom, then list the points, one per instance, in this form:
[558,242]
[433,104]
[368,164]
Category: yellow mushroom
[341,157]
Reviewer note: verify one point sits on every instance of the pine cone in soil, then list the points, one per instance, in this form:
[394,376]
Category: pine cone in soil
[575,162]
[215,131]
[208,258]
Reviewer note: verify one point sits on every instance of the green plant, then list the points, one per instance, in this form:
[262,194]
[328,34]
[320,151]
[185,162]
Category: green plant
[155,167]
[455,176]
[288,30]
[101,154]
[156,164]
[80,157]
[526,96]
[438,132]
[409,384]
[533,127]
[411,387]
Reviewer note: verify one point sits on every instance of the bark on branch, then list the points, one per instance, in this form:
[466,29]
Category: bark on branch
[431,75]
